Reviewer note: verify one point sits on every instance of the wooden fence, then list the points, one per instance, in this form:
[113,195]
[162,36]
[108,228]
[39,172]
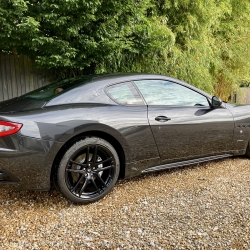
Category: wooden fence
[243,95]
[19,76]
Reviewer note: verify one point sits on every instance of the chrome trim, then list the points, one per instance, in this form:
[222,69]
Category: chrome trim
[7,150]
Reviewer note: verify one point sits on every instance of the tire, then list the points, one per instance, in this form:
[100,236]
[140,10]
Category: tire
[88,170]
[247,154]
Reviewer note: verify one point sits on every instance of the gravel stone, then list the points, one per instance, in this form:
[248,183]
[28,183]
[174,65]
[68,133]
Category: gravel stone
[205,206]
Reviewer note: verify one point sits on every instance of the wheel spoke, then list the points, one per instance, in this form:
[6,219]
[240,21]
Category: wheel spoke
[92,180]
[83,187]
[87,156]
[94,158]
[79,171]
[78,182]
[104,161]
[100,179]
[78,163]
[103,169]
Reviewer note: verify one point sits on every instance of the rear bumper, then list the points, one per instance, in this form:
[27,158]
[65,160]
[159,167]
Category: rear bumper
[25,162]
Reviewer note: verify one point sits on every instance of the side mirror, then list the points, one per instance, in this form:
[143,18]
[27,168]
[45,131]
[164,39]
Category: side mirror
[216,102]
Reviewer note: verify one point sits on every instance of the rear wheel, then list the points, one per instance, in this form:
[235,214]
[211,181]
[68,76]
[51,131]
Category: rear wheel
[88,170]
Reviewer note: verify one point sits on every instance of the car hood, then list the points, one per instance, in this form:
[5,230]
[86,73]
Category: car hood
[240,113]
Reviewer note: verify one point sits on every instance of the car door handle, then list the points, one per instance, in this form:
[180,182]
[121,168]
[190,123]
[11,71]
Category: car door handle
[162,118]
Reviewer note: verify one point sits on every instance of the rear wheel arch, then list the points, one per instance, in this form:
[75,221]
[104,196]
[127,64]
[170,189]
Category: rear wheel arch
[113,141]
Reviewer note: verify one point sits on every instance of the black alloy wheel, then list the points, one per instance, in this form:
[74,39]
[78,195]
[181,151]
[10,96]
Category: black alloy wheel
[88,170]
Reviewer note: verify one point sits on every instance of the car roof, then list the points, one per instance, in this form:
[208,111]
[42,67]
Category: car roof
[128,76]
[94,91]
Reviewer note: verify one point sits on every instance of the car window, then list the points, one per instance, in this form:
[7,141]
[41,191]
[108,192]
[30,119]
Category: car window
[160,92]
[53,89]
[125,94]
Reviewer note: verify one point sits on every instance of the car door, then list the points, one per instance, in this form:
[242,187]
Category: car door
[130,119]
[183,123]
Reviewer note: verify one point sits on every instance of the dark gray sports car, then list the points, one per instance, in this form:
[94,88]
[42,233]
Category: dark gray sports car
[83,134]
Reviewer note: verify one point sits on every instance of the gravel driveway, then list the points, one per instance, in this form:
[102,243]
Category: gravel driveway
[205,206]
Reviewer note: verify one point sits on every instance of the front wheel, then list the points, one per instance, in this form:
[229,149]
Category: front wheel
[88,170]
[247,154]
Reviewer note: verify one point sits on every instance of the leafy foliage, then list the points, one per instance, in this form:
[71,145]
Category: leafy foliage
[206,43]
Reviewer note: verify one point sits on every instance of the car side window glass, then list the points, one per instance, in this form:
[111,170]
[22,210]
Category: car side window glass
[160,92]
[124,94]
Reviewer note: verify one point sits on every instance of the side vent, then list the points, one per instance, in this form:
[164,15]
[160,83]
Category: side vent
[243,126]
[7,178]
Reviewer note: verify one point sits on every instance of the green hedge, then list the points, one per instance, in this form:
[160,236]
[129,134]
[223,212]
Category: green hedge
[204,42]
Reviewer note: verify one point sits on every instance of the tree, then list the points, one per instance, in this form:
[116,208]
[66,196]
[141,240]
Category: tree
[203,42]
[70,34]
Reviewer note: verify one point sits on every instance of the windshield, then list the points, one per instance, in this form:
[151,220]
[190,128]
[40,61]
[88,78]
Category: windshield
[51,90]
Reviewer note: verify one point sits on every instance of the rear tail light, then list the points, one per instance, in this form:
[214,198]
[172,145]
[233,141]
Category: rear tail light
[9,128]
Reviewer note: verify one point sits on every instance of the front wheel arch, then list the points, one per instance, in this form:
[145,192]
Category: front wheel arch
[247,154]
